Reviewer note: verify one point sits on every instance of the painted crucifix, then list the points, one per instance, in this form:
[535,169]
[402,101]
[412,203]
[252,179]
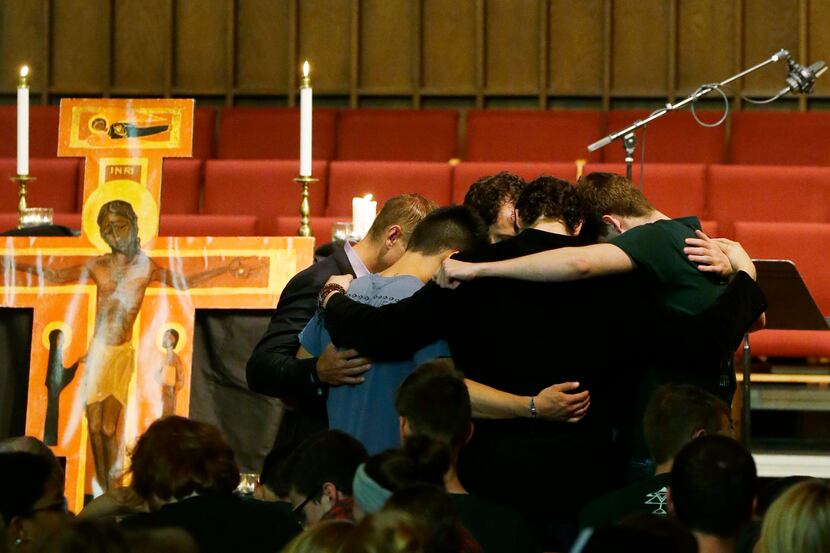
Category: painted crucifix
[129,282]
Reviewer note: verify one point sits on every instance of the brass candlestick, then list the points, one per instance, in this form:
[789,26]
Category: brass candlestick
[29,216]
[305,210]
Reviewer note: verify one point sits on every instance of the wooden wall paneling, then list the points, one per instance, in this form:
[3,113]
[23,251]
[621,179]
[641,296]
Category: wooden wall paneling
[480,51]
[324,39]
[449,53]
[769,25]
[80,46]
[261,56]
[201,48]
[542,37]
[671,39]
[230,51]
[607,58]
[387,47]
[141,47]
[417,48]
[640,48]
[818,46]
[293,47]
[575,53]
[512,47]
[22,28]
[354,51]
[706,43]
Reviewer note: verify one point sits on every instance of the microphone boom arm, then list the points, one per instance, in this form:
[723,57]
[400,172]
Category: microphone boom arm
[703,91]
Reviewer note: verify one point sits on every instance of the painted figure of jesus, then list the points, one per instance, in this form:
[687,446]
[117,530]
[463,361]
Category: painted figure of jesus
[121,278]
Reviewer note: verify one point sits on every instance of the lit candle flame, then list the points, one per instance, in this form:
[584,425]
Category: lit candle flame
[368,197]
[24,71]
[305,68]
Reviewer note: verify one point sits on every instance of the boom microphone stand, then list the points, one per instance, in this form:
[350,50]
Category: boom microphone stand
[627,134]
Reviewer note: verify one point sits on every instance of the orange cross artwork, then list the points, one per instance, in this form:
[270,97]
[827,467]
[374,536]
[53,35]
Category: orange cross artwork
[114,307]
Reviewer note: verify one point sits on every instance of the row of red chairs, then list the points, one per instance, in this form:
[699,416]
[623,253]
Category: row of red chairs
[765,138]
[722,193]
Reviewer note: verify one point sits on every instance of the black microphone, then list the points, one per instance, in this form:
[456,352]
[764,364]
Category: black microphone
[801,79]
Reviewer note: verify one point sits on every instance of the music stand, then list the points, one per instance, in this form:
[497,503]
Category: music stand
[790,307]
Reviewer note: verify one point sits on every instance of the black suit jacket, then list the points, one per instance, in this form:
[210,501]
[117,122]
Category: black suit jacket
[273,368]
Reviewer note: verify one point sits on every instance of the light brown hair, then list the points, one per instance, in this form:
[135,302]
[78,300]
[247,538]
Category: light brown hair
[799,520]
[405,210]
[605,194]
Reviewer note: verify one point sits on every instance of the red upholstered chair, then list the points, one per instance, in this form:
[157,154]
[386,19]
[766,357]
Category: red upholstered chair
[273,133]
[780,138]
[207,225]
[756,193]
[43,131]
[710,227]
[384,179]
[673,138]
[204,127]
[529,135]
[180,185]
[288,225]
[466,173]
[55,186]
[677,190]
[806,245]
[397,134]
[262,188]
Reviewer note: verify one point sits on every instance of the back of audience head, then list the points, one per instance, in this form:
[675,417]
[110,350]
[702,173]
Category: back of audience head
[178,457]
[387,532]
[273,478]
[422,460]
[322,471]
[325,537]
[678,413]
[432,505]
[29,444]
[434,401]
[85,536]
[547,200]
[446,230]
[32,504]
[607,197]
[713,484]
[494,199]
[798,521]
[643,533]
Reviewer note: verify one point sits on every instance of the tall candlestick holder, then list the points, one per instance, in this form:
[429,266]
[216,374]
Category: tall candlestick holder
[29,216]
[305,210]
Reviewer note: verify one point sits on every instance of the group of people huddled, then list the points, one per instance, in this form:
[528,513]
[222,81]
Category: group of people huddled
[547,367]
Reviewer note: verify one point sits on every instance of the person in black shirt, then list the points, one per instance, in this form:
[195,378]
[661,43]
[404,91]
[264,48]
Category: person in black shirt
[675,415]
[519,337]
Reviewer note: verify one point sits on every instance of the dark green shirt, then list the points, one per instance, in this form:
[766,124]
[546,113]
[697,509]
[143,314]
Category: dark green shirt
[645,496]
[657,251]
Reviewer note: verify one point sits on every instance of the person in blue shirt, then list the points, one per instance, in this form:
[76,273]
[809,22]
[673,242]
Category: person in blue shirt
[366,410]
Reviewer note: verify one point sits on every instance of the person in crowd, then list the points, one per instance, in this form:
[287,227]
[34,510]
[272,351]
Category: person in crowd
[273,368]
[445,530]
[480,317]
[671,254]
[434,402]
[494,199]
[326,537]
[676,415]
[387,532]
[186,473]
[273,482]
[30,444]
[641,532]
[321,473]
[32,505]
[713,485]
[86,536]
[366,410]
[798,521]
